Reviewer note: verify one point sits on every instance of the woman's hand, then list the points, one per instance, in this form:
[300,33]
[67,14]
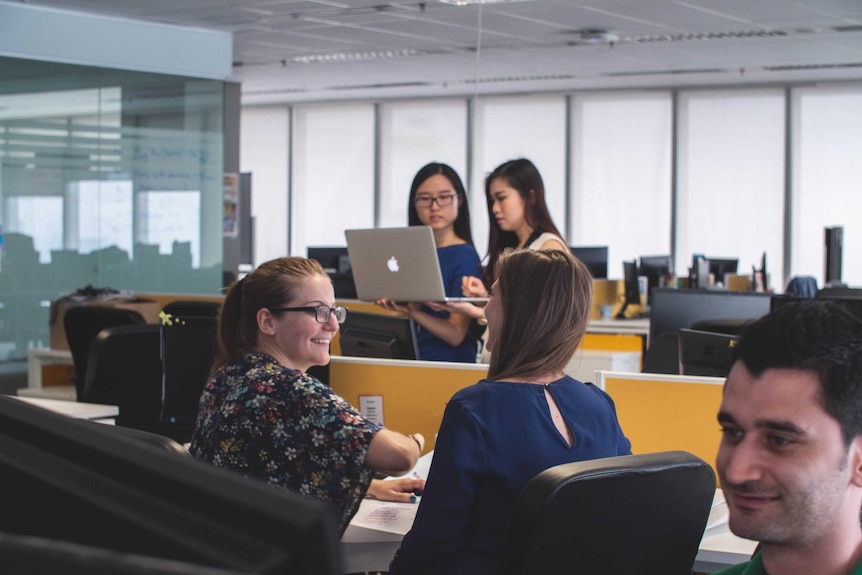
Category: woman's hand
[402,490]
[472,286]
[406,309]
[463,307]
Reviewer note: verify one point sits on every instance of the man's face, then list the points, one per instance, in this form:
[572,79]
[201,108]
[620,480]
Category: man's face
[782,462]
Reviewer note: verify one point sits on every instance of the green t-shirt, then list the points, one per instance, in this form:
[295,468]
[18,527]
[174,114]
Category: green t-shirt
[755,567]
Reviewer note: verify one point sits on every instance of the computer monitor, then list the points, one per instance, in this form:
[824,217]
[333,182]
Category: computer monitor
[675,309]
[594,257]
[336,263]
[699,272]
[850,297]
[377,335]
[778,300]
[705,352]
[719,267]
[82,483]
[834,248]
[631,288]
[654,268]
[188,349]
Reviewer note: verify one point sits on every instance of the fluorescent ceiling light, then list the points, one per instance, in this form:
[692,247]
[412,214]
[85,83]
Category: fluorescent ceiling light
[471,2]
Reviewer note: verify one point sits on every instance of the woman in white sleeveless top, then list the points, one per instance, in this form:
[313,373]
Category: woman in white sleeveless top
[519,218]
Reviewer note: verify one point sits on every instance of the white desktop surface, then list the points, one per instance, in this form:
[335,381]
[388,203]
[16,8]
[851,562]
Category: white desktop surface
[92,411]
[636,326]
[365,548]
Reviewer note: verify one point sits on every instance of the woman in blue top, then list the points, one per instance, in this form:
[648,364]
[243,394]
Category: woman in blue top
[438,200]
[525,417]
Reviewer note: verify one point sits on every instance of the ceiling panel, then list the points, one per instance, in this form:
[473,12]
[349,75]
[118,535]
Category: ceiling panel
[531,45]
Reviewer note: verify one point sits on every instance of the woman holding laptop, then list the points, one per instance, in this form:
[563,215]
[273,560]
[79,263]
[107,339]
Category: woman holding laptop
[525,417]
[438,200]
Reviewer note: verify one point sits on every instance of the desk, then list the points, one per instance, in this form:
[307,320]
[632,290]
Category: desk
[366,549]
[92,411]
[638,327]
[39,357]
[63,392]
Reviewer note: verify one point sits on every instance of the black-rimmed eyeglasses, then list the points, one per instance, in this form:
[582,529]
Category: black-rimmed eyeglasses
[443,200]
[321,312]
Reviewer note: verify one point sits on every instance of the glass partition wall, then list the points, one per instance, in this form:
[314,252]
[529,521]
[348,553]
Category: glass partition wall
[108,178]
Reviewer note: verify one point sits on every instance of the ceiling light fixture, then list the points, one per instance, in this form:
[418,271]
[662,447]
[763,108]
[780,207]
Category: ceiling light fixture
[473,2]
[598,37]
[351,57]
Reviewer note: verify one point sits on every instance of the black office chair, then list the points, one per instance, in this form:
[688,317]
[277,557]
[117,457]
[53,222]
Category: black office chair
[156,440]
[83,323]
[188,348]
[124,368]
[618,515]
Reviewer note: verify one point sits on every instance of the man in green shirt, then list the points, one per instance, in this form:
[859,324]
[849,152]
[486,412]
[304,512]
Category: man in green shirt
[790,459]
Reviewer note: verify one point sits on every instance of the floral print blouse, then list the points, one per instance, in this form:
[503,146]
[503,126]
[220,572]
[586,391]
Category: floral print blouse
[285,427]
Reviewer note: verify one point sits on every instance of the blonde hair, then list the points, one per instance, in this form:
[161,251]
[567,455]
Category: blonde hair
[546,298]
[271,285]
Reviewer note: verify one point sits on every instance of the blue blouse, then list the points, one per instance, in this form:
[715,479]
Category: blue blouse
[285,427]
[495,437]
[456,262]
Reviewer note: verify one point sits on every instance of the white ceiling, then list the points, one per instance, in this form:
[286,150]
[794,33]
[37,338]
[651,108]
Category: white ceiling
[302,50]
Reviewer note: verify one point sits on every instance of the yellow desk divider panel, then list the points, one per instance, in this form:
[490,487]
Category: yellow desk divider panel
[660,412]
[612,342]
[413,393]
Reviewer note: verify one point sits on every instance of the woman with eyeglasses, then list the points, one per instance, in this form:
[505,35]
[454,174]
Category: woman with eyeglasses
[263,416]
[525,417]
[437,199]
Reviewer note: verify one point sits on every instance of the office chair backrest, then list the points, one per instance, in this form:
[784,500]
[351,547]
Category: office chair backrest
[124,368]
[149,438]
[618,515]
[83,323]
[188,348]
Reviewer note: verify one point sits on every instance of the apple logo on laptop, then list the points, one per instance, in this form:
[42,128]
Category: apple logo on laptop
[392,264]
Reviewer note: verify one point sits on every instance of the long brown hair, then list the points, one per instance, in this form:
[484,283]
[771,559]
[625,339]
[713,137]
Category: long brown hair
[272,284]
[523,176]
[546,298]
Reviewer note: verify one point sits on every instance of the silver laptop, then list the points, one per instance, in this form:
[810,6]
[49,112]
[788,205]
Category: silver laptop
[399,264]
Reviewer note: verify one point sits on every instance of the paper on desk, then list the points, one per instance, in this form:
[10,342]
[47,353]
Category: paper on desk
[718,513]
[385,516]
[389,516]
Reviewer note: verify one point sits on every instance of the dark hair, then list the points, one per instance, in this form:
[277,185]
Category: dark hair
[522,175]
[272,284]
[817,335]
[462,221]
[546,297]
